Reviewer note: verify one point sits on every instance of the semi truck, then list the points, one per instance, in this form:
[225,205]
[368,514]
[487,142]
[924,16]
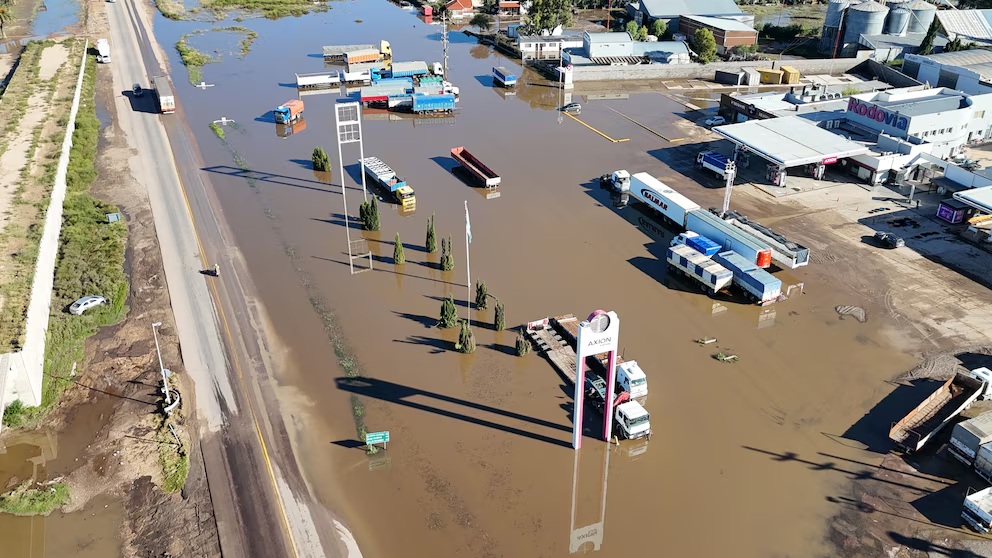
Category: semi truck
[716,162]
[433,104]
[685,214]
[983,461]
[935,412]
[355,78]
[164,98]
[475,167]
[977,510]
[633,380]
[319,80]
[288,112]
[698,243]
[630,419]
[756,283]
[503,77]
[386,178]
[408,69]
[103,51]
[336,52]
[969,436]
[362,55]
[712,276]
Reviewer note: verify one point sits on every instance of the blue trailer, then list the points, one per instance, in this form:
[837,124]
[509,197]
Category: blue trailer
[729,236]
[756,283]
[435,104]
[503,77]
[701,244]
[408,69]
[406,83]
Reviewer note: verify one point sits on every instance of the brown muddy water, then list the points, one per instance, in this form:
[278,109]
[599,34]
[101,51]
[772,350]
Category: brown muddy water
[479,462]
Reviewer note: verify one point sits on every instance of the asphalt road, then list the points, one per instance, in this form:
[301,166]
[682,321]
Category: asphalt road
[261,502]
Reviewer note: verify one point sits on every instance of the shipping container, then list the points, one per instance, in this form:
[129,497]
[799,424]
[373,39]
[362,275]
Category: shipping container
[711,275]
[786,253]
[757,284]
[408,69]
[433,103]
[163,95]
[404,82]
[968,436]
[503,77]
[790,75]
[380,93]
[770,77]
[657,195]
[362,56]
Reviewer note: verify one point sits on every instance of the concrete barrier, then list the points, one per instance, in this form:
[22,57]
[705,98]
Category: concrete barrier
[21,373]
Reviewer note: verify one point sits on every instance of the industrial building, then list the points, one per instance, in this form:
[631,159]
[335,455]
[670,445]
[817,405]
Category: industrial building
[969,71]
[876,136]
[619,49]
[549,47]
[727,32]
[971,26]
[644,12]
[851,25]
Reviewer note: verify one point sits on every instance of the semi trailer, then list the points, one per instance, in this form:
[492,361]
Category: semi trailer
[710,275]
[164,97]
[503,77]
[386,178]
[756,283]
[433,104]
[319,80]
[337,52]
[716,162]
[935,412]
[475,167]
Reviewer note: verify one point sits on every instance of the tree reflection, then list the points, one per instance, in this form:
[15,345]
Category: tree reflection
[479,52]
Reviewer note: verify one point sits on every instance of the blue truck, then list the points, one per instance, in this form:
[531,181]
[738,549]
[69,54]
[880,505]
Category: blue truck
[716,162]
[433,104]
[757,284]
[503,77]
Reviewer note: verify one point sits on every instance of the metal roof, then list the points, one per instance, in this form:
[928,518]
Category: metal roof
[975,24]
[979,198]
[614,37]
[790,141]
[719,23]
[869,6]
[668,47]
[980,426]
[675,8]
[925,105]
[921,5]
[962,57]
[415,66]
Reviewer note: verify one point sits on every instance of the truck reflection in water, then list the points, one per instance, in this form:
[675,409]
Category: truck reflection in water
[286,130]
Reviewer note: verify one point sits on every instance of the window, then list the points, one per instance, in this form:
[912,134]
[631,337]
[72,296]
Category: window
[979,114]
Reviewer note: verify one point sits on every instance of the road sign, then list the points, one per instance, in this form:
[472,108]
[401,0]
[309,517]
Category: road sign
[377,437]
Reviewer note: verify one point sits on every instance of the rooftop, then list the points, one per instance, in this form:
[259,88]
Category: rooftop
[663,47]
[980,426]
[675,8]
[791,141]
[982,499]
[908,41]
[979,198]
[971,24]
[613,37]
[922,106]
[566,36]
[718,23]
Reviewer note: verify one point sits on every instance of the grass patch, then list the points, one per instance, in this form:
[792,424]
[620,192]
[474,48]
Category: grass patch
[195,60]
[173,457]
[218,130]
[91,254]
[172,9]
[271,9]
[19,89]
[35,499]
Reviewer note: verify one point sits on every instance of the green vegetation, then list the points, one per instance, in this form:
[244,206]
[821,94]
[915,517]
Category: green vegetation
[522,344]
[35,499]
[195,60]
[659,28]
[466,339]
[545,15]
[926,46]
[482,21]
[705,45]
[447,260]
[632,29]
[217,129]
[271,9]
[431,244]
[173,457]
[787,33]
[806,15]
[849,90]
[91,254]
[399,257]
[321,162]
[369,213]
[172,9]
[499,323]
[6,16]
[449,314]
[481,295]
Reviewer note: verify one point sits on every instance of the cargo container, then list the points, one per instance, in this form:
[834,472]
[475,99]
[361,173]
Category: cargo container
[434,104]
[731,238]
[380,93]
[320,80]
[712,276]
[406,83]
[337,52]
[386,178]
[475,167]
[503,77]
[362,56]
[356,78]
[698,243]
[408,69]
[968,436]
[977,510]
[790,75]
[983,461]
[770,77]
[756,283]
[288,111]
[164,98]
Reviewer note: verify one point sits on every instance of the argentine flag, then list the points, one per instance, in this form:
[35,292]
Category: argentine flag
[468,225]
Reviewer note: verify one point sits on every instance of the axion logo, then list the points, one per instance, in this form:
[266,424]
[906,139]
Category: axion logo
[877,114]
[592,533]
[598,342]
[653,198]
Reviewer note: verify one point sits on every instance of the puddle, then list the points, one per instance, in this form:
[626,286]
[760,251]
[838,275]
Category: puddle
[88,533]
[54,17]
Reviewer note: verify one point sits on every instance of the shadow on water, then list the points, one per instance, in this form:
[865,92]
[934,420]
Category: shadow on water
[403,395]
[872,429]
[278,179]
[390,271]
[486,81]
[454,38]
[266,117]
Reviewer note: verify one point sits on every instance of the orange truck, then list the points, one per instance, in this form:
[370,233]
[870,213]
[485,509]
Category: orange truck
[363,55]
[288,112]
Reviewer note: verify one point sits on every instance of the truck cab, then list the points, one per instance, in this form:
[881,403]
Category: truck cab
[632,421]
[632,379]
[618,181]
[405,197]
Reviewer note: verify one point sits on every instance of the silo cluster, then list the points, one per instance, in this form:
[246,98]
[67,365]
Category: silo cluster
[847,20]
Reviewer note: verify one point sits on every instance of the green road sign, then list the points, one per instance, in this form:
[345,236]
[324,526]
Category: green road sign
[377,437]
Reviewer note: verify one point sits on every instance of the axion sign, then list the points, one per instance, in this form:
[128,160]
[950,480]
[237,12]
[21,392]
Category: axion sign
[877,114]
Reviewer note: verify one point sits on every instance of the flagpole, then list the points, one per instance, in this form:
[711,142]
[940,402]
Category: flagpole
[468,270]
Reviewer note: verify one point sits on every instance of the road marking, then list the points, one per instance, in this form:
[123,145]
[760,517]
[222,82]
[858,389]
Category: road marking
[595,130]
[237,368]
[645,127]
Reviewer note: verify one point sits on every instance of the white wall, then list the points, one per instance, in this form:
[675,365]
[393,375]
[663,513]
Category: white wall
[965,177]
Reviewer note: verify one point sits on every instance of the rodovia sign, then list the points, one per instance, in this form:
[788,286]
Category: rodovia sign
[877,113]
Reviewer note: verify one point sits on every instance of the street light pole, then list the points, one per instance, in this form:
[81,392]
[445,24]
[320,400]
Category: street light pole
[161,367]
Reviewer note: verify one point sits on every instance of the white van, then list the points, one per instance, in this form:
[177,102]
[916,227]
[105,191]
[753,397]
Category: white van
[437,68]
[632,379]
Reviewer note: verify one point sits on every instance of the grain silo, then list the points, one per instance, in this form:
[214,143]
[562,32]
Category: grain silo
[832,23]
[922,16]
[866,18]
[897,22]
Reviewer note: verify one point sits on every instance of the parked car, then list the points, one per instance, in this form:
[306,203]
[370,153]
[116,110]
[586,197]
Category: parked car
[137,90]
[85,303]
[572,108]
[889,240]
[715,121]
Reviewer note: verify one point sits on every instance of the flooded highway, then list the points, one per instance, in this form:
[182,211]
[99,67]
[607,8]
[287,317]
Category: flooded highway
[479,462]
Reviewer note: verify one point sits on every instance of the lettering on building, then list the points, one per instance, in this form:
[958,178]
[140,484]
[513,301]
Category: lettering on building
[877,113]
[598,342]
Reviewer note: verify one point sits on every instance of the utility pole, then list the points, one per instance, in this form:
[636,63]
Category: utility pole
[444,41]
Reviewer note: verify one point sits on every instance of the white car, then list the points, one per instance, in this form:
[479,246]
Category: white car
[715,121]
[85,304]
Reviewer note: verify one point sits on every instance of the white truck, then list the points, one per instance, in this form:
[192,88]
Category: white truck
[977,510]
[632,379]
[363,77]
[103,51]
[712,276]
[632,421]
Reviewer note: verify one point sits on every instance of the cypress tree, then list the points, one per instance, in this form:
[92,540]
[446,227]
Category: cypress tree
[481,295]
[447,260]
[449,314]
[466,339]
[500,322]
[926,46]
[431,243]
[398,256]
[321,162]
[523,345]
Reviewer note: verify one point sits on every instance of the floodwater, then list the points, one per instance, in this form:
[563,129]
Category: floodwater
[479,462]
[54,17]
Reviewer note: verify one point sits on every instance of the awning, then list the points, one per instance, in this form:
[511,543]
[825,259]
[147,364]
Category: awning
[979,198]
[791,141]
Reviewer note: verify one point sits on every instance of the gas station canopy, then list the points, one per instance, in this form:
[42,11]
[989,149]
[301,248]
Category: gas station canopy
[791,141]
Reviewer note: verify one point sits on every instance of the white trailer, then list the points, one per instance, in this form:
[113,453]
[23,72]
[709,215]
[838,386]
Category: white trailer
[711,275]
[320,80]
[977,510]
[103,51]
[970,435]
[356,78]
[654,193]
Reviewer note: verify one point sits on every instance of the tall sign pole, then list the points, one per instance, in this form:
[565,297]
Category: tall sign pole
[468,267]
[600,333]
[444,41]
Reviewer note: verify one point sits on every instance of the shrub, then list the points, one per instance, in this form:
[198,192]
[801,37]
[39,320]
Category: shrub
[449,315]
[321,162]
[500,321]
[481,294]
[523,345]
[466,339]
[399,257]
[431,244]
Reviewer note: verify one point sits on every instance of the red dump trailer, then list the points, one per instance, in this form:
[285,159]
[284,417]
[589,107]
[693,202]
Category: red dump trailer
[475,167]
